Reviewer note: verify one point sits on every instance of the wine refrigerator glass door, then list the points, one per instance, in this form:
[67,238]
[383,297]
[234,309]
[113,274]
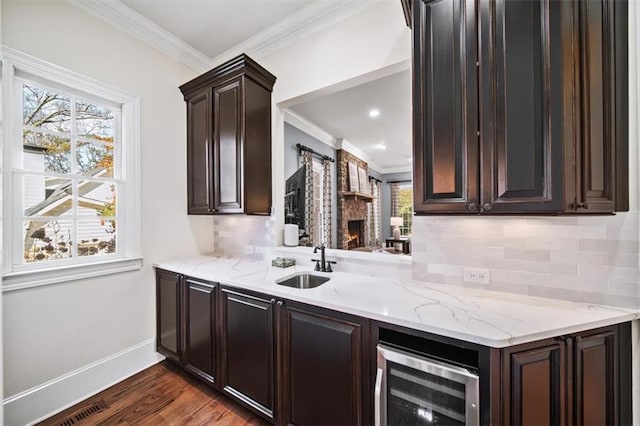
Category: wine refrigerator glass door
[415,390]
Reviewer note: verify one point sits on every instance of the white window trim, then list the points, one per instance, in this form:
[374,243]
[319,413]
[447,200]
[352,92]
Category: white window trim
[15,62]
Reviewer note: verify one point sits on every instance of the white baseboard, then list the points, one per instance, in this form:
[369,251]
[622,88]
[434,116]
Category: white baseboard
[47,399]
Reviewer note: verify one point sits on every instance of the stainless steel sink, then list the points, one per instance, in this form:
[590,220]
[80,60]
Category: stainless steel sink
[303,280]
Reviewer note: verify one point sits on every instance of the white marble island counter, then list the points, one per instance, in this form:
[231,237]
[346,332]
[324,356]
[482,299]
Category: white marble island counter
[484,317]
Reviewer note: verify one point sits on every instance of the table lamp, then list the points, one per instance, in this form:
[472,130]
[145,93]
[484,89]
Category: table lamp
[396,222]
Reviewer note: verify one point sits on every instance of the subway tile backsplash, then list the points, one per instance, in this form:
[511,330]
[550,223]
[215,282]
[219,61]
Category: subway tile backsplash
[591,259]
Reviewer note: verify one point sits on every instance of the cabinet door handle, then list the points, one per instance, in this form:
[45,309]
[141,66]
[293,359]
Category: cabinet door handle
[280,303]
[582,205]
[487,206]
[473,207]
[272,301]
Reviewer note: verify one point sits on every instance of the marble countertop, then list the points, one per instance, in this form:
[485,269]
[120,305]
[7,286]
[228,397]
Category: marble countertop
[484,317]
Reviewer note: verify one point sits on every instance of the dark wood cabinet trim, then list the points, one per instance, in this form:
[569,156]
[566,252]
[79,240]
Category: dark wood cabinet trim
[240,65]
[621,75]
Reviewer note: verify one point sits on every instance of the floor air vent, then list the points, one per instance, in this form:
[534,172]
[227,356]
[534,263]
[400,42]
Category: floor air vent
[85,413]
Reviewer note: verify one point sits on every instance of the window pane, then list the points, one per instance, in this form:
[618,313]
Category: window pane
[95,159]
[47,240]
[44,152]
[46,109]
[96,199]
[96,237]
[46,196]
[94,121]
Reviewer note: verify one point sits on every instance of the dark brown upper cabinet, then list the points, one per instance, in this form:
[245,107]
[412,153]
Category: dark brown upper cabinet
[519,106]
[229,139]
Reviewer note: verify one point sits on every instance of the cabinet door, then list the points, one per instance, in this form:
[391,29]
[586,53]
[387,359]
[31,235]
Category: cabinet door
[228,147]
[248,350]
[323,367]
[199,154]
[521,104]
[168,314]
[596,378]
[199,355]
[534,384]
[445,116]
[596,139]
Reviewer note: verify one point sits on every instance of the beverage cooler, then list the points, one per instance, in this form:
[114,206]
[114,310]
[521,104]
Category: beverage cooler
[412,389]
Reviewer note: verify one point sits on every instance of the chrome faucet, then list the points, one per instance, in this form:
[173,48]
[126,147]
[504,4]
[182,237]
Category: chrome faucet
[322,264]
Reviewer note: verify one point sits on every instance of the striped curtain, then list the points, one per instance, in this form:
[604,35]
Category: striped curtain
[309,226]
[395,201]
[327,195]
[377,211]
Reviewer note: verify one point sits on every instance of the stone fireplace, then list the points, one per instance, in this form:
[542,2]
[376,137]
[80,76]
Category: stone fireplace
[356,234]
[352,210]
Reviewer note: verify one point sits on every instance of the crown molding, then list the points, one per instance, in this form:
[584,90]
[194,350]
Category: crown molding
[302,124]
[350,147]
[310,19]
[397,169]
[128,20]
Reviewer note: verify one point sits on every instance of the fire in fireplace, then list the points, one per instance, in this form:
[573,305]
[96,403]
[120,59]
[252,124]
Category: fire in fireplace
[355,228]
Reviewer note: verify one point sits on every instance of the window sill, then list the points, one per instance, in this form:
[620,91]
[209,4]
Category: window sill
[13,281]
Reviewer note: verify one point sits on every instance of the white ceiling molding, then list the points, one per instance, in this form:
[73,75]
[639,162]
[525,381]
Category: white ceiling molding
[399,169]
[351,148]
[313,18]
[301,123]
[133,23]
[310,19]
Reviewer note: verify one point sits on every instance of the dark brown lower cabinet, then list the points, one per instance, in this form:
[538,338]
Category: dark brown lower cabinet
[324,367]
[571,380]
[168,314]
[596,395]
[534,378]
[296,364]
[199,353]
[248,345]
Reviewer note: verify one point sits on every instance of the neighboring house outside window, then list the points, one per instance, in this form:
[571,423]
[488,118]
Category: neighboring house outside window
[70,169]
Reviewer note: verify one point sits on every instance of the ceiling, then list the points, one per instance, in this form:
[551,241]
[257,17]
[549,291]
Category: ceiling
[345,115]
[201,32]
[215,26]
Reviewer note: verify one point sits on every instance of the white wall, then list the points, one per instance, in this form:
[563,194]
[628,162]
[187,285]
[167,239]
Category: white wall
[54,330]
[1,252]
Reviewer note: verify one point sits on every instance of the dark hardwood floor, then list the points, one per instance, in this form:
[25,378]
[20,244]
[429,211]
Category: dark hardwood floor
[160,395]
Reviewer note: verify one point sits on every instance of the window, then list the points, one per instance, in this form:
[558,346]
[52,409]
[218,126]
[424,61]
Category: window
[70,171]
[405,208]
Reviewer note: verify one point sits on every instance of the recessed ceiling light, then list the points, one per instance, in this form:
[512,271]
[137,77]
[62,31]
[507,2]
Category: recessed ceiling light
[380,146]
[374,113]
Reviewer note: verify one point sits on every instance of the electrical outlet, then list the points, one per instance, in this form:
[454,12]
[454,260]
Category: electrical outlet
[478,276]
[248,249]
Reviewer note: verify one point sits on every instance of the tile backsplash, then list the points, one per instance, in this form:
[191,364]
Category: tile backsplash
[243,234]
[592,259]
